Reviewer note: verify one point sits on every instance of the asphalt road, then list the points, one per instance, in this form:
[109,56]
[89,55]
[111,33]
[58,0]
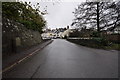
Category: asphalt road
[63,59]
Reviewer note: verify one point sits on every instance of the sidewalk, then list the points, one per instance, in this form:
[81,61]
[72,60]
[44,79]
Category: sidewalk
[10,60]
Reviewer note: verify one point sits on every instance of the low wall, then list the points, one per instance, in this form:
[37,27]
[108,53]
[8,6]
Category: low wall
[113,38]
[96,43]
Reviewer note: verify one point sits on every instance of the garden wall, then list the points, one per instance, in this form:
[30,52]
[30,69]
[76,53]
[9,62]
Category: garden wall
[113,38]
[16,37]
[93,42]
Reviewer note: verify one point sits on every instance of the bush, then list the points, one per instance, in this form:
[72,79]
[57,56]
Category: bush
[95,34]
[24,13]
[101,41]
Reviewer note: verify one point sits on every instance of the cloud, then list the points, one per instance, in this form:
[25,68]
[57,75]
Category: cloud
[59,14]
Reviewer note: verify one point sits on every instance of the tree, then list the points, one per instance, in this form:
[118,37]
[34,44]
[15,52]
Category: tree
[25,14]
[99,15]
[114,15]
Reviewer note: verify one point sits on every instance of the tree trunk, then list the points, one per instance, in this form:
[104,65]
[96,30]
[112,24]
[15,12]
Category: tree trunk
[98,27]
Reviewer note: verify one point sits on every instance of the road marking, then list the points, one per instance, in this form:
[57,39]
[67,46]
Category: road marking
[7,68]
[22,59]
[19,61]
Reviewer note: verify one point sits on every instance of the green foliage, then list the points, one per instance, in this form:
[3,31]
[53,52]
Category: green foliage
[101,41]
[114,46]
[25,14]
[95,34]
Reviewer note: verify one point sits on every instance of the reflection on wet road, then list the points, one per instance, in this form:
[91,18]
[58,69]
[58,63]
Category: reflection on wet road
[63,59]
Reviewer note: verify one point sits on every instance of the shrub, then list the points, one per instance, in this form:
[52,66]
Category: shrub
[95,34]
[25,14]
[101,41]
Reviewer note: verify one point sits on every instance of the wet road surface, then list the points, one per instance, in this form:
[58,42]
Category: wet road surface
[63,59]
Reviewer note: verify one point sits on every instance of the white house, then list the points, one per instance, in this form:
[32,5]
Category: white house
[66,33]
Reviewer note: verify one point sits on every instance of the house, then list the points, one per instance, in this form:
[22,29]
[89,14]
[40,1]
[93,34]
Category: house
[66,33]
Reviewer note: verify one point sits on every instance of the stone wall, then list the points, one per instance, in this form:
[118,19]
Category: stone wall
[16,37]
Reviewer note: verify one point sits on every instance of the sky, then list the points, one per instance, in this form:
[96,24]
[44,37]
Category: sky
[59,12]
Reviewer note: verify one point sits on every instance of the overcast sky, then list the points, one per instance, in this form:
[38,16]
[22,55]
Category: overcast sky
[59,13]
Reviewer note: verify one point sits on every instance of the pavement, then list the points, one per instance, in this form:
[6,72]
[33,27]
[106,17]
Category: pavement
[15,58]
[63,59]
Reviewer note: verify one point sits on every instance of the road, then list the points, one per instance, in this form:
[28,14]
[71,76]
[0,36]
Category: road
[63,59]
